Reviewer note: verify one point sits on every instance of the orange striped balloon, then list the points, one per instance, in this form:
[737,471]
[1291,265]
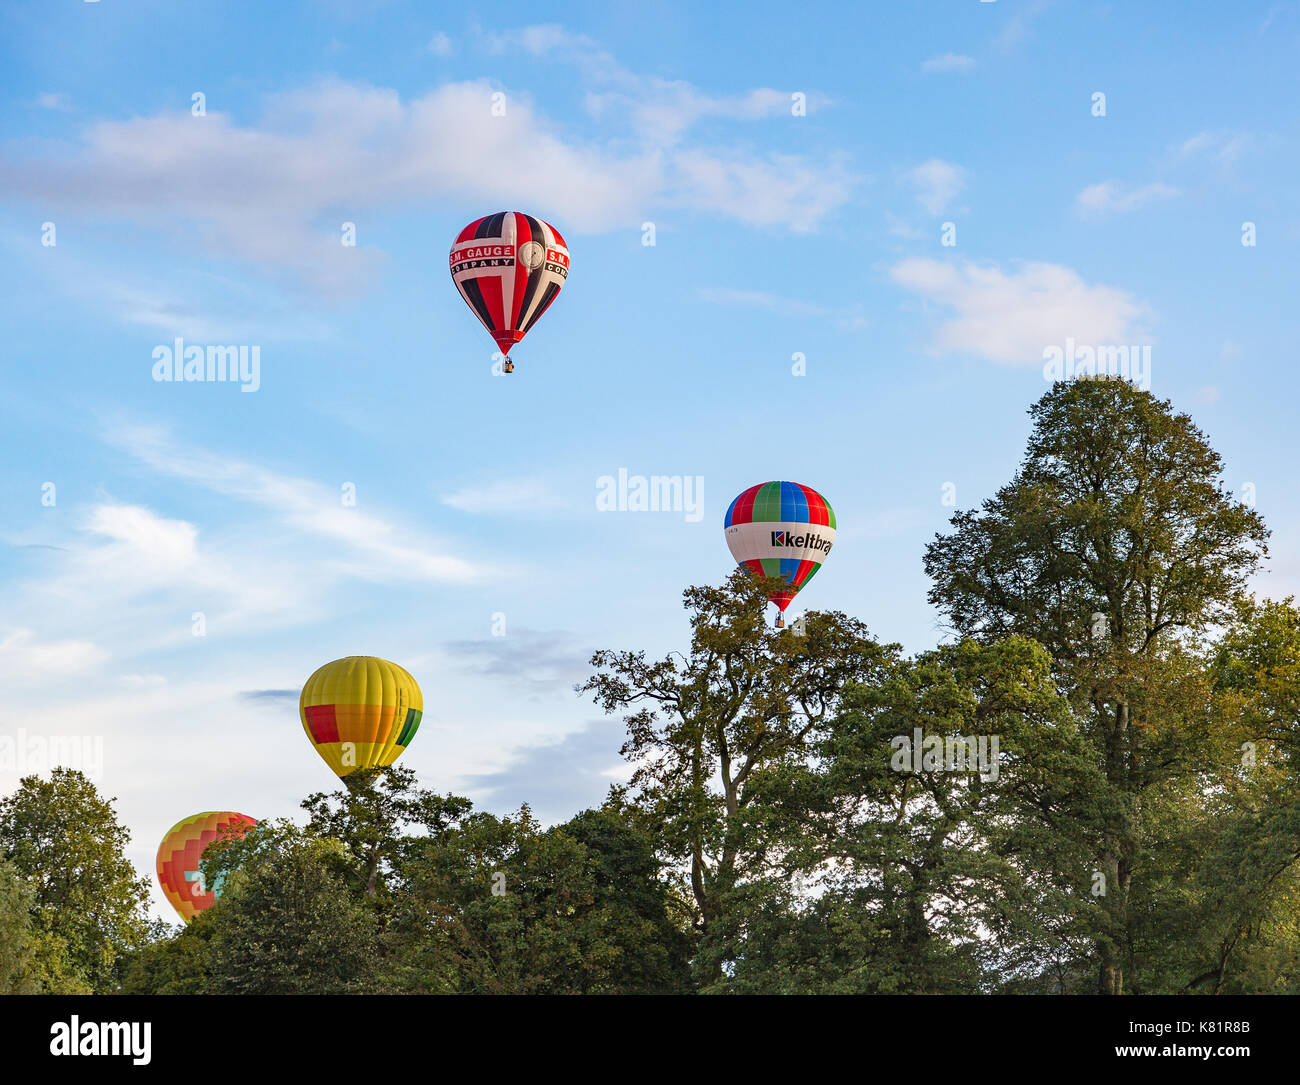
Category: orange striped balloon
[360,712]
[179,854]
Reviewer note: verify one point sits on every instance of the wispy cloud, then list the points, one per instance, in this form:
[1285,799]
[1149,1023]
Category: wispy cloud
[324,154]
[559,778]
[270,696]
[57,101]
[661,109]
[1018,26]
[1009,317]
[539,661]
[506,496]
[384,551]
[25,657]
[936,183]
[948,62]
[1224,148]
[761,299]
[1114,198]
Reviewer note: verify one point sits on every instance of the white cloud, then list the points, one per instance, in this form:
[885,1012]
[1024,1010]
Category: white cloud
[440,45]
[327,153]
[781,190]
[936,184]
[1017,27]
[948,62]
[375,548]
[169,544]
[1010,317]
[57,101]
[1111,197]
[552,40]
[24,657]
[1224,147]
[142,681]
[661,109]
[506,495]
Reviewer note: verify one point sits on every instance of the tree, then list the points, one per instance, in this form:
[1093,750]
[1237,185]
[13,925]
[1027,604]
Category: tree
[1243,861]
[15,933]
[746,698]
[368,815]
[87,903]
[287,922]
[173,962]
[887,851]
[1116,547]
[501,906]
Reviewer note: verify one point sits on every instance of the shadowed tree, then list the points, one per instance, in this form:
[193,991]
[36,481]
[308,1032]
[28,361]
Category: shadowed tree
[288,924]
[501,906]
[1117,547]
[369,815]
[882,865]
[705,726]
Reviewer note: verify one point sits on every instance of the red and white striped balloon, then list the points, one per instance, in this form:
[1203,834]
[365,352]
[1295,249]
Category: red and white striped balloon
[509,267]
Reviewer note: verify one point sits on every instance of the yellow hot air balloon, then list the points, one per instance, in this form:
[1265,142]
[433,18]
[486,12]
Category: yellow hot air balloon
[360,712]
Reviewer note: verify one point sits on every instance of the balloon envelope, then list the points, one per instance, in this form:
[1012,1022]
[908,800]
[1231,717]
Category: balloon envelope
[179,854]
[781,529]
[509,267]
[360,712]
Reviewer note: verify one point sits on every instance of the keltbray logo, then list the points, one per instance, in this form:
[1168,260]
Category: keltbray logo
[801,542]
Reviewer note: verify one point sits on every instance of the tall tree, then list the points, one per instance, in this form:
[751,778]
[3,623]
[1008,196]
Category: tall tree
[888,852]
[1116,546]
[370,816]
[65,842]
[704,727]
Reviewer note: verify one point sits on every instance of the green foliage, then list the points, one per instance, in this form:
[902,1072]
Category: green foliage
[705,727]
[502,906]
[15,933]
[1132,823]
[87,903]
[288,924]
[368,815]
[173,962]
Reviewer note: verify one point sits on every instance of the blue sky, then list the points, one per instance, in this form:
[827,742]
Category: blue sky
[775,235]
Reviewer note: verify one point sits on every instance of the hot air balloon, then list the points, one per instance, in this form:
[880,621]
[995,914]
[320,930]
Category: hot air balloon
[179,854]
[508,267]
[781,529]
[360,712]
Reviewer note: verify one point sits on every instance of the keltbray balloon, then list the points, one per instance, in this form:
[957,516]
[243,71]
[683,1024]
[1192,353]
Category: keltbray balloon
[781,529]
[509,267]
[360,712]
[179,854]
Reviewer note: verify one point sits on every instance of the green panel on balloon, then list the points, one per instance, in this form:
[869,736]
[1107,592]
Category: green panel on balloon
[767,503]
